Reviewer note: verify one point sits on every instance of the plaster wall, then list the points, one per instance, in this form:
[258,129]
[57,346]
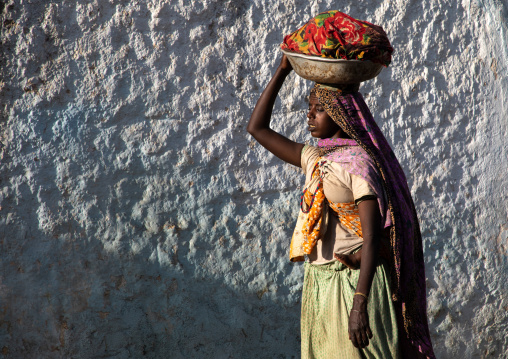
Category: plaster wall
[139,219]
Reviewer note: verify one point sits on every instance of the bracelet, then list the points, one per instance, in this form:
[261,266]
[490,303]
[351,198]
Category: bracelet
[363,295]
[359,311]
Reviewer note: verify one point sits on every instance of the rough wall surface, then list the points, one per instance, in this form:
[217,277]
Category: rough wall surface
[139,219]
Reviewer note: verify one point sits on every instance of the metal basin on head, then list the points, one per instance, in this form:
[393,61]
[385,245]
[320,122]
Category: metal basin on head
[332,71]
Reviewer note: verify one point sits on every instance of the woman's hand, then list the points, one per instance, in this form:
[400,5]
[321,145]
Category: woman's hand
[352,261]
[285,65]
[359,329]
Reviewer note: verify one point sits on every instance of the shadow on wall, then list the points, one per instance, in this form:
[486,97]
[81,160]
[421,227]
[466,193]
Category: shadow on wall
[126,305]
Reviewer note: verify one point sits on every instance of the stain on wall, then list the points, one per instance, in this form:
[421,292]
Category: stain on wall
[139,219]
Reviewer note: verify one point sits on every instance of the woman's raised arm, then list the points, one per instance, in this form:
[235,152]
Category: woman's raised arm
[259,124]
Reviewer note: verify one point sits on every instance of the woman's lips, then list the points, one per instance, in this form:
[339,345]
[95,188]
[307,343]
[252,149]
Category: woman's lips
[311,128]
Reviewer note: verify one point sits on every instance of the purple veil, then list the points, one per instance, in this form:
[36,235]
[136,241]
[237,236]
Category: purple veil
[351,113]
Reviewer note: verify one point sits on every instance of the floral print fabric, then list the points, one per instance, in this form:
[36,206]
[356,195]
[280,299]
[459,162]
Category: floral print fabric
[312,206]
[314,202]
[349,216]
[334,34]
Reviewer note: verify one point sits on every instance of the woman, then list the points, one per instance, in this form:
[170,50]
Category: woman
[356,204]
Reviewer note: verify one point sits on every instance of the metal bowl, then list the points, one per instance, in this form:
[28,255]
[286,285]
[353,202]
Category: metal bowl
[332,71]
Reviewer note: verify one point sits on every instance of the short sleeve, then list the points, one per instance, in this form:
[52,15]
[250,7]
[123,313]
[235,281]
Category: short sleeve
[361,188]
[310,154]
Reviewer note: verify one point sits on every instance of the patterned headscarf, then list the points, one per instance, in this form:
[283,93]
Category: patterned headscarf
[350,112]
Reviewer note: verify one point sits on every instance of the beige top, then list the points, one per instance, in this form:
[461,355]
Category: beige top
[338,186]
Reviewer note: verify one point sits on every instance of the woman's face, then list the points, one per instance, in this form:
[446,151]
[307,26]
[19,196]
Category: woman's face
[320,124]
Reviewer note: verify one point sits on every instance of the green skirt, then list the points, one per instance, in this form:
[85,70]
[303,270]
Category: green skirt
[327,299]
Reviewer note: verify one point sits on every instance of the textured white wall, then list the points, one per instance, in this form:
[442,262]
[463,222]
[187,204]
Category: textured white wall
[139,219]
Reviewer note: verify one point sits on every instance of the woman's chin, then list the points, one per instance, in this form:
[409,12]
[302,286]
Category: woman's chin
[319,136]
[315,134]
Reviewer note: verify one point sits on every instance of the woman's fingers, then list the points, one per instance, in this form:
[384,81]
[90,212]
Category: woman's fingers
[341,259]
[285,64]
[364,339]
[369,332]
[348,260]
[355,340]
[360,339]
[359,329]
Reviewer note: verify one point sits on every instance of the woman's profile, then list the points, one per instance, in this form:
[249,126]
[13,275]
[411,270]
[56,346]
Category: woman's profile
[357,230]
